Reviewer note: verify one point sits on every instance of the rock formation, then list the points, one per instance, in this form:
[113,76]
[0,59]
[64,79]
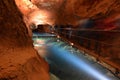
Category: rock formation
[18,59]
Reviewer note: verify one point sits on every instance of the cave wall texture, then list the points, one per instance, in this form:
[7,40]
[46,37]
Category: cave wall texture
[72,11]
[17,56]
[18,59]
[105,10]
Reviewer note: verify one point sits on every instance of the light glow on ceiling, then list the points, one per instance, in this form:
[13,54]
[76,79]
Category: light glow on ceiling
[32,14]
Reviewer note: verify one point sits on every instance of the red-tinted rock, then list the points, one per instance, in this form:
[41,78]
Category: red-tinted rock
[18,59]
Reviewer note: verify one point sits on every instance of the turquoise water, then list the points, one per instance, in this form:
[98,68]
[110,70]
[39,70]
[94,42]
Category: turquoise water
[69,63]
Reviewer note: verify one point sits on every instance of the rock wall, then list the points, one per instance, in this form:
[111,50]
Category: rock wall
[73,10]
[18,59]
[70,12]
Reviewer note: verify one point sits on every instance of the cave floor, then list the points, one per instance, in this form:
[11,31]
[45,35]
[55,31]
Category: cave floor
[67,62]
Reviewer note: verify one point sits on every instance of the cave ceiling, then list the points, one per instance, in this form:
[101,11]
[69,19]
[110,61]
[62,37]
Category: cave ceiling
[104,13]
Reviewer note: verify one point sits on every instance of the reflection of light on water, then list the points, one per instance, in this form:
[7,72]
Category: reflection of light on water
[63,53]
[40,46]
[39,41]
[58,40]
[78,63]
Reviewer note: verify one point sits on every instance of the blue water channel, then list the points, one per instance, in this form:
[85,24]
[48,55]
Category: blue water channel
[69,63]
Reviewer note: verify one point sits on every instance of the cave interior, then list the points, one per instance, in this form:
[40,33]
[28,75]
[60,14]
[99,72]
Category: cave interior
[29,29]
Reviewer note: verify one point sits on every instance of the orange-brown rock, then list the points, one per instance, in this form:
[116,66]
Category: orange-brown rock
[72,11]
[18,59]
[95,9]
